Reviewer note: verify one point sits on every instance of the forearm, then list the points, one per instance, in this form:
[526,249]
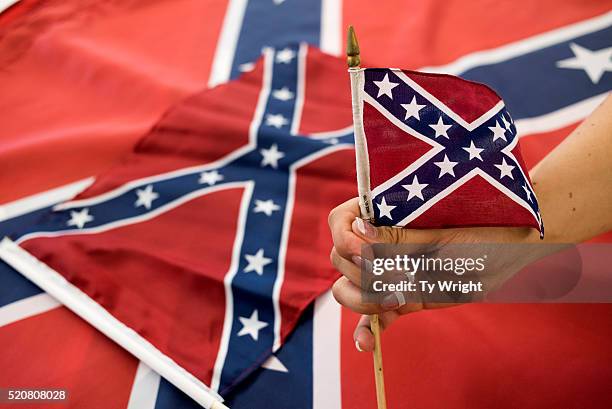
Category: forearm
[574,182]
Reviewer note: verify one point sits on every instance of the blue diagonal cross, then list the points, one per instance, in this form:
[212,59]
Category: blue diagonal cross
[265,169]
[449,159]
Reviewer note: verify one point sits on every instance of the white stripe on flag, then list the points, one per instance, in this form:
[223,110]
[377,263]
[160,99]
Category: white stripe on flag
[326,392]
[228,40]
[44,199]
[534,43]
[227,285]
[561,118]
[5,4]
[144,389]
[27,307]
[331,27]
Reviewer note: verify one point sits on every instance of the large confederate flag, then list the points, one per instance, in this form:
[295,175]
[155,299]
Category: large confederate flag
[83,81]
[196,246]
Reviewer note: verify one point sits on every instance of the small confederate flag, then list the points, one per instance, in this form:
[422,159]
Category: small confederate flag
[442,152]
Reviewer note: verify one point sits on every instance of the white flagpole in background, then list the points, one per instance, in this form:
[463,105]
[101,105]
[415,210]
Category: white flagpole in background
[82,305]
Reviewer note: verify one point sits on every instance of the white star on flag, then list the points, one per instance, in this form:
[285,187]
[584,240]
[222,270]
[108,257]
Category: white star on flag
[246,67]
[282,94]
[506,122]
[412,109]
[385,87]
[473,151]
[446,167]
[274,364]
[256,262]
[415,189]
[278,2]
[594,63]
[276,120]
[271,156]
[505,169]
[210,178]
[498,132]
[146,197]
[251,325]
[528,192]
[285,56]
[441,128]
[384,209]
[79,219]
[266,206]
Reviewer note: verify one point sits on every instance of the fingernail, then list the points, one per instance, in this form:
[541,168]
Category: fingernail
[357,346]
[357,260]
[365,228]
[393,301]
[367,266]
[400,298]
[360,225]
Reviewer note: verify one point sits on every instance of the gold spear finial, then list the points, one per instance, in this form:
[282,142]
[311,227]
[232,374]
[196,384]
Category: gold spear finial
[352,49]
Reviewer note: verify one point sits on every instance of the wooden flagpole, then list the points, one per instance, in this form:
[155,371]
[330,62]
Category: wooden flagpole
[363,187]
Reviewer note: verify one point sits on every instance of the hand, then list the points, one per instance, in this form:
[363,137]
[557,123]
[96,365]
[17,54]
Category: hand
[349,233]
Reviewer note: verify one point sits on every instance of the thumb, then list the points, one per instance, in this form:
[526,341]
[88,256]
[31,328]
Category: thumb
[394,235]
[363,337]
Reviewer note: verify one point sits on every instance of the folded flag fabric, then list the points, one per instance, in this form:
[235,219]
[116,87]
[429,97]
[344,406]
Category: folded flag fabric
[442,152]
[60,125]
[200,251]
